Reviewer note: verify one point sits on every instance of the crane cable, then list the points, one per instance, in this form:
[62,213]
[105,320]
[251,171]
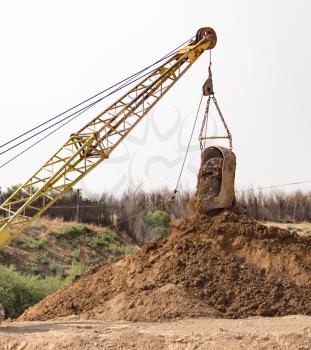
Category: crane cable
[75,115]
[43,138]
[173,196]
[125,81]
[208,90]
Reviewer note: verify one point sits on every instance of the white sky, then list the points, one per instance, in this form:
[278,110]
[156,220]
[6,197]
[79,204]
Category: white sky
[56,53]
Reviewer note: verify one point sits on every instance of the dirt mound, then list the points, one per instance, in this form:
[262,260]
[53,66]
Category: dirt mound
[220,266]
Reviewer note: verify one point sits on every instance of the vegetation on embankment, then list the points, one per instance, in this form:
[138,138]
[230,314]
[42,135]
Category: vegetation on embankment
[49,255]
[56,248]
[18,291]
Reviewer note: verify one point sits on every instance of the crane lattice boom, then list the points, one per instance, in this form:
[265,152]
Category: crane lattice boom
[88,147]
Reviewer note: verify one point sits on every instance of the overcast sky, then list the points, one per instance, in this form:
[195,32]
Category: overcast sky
[56,53]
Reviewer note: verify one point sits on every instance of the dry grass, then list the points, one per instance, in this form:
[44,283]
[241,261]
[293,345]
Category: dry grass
[302,228]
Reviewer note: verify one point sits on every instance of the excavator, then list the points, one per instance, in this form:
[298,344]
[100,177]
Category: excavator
[93,143]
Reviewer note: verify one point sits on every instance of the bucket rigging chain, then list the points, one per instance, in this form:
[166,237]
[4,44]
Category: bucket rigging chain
[209,91]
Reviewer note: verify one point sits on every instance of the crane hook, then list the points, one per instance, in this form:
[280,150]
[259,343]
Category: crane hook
[208,85]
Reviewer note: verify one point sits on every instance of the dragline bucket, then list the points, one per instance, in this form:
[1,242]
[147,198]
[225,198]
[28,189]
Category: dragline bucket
[215,187]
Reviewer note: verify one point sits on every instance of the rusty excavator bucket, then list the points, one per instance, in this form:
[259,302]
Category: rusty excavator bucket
[215,187]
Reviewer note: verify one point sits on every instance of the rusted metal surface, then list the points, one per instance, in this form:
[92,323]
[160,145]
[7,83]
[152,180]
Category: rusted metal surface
[215,188]
[203,131]
[208,33]
[208,89]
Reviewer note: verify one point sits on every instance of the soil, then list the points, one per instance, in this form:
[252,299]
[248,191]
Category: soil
[279,333]
[222,266]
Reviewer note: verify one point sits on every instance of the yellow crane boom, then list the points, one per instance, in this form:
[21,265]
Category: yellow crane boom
[88,147]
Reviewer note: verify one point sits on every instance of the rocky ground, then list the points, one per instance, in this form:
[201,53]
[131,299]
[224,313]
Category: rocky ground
[265,333]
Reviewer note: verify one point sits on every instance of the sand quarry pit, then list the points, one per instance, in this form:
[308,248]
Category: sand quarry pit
[222,266]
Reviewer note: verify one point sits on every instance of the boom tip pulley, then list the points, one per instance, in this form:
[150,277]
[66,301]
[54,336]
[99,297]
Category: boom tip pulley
[208,33]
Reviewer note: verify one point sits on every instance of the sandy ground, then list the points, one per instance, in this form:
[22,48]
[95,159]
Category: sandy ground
[302,228]
[289,332]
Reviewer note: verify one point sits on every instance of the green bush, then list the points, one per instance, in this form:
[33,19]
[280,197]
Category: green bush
[75,270]
[34,269]
[125,249]
[37,243]
[42,258]
[160,231]
[73,230]
[75,255]
[37,225]
[70,231]
[56,269]
[159,221]
[103,239]
[112,248]
[18,292]
[157,218]
[21,243]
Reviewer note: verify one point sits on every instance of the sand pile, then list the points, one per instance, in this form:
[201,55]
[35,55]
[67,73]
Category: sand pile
[223,266]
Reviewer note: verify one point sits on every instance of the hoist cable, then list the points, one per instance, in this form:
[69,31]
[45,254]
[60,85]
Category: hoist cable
[172,52]
[187,150]
[43,138]
[74,116]
[79,112]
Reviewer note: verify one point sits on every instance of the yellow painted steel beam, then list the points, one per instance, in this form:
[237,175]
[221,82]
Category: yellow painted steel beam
[92,144]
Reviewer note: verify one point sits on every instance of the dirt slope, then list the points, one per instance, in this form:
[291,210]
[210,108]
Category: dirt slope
[221,266]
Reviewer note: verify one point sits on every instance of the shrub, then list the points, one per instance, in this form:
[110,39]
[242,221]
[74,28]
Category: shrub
[21,243]
[112,248]
[56,269]
[34,269]
[37,225]
[42,258]
[37,243]
[18,292]
[70,231]
[75,270]
[160,231]
[157,218]
[74,230]
[159,221]
[102,240]
[125,249]
[75,255]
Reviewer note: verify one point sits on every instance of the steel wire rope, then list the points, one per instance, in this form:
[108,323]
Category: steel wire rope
[172,52]
[187,149]
[43,138]
[76,114]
